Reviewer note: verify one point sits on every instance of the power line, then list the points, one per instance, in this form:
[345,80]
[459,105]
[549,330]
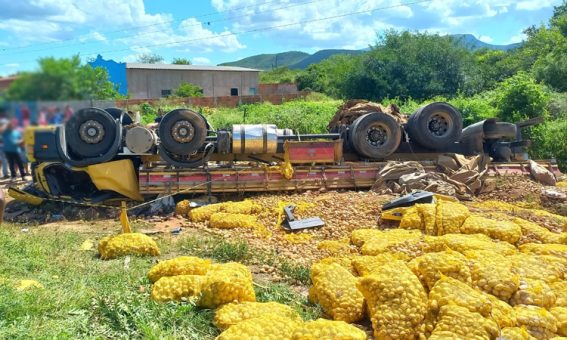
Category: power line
[262,29]
[143,26]
[157,31]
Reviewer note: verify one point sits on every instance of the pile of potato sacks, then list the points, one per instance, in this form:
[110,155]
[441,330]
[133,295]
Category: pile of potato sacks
[229,288]
[449,273]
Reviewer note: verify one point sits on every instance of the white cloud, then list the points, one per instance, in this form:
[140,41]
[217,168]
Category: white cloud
[201,61]
[12,65]
[533,5]
[517,38]
[485,38]
[127,21]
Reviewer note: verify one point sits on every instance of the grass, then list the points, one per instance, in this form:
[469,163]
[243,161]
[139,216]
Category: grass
[85,297]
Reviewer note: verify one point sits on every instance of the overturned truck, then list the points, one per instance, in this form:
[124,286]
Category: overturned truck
[103,154]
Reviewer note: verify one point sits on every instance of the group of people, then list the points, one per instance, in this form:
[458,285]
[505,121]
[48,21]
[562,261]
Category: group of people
[13,156]
[12,153]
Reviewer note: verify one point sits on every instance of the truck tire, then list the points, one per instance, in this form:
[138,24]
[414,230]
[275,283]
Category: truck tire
[182,131]
[375,135]
[90,132]
[500,130]
[435,125]
[116,113]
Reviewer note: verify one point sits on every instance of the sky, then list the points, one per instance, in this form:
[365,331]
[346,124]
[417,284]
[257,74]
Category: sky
[216,31]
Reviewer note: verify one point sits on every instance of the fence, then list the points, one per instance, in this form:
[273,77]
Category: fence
[56,112]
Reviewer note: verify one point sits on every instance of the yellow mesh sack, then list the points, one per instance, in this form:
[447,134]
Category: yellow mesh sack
[396,300]
[223,220]
[366,265]
[268,327]
[360,236]
[533,292]
[225,283]
[334,246]
[182,208]
[449,291]
[233,313]
[502,313]
[560,314]
[345,262]
[500,230]
[411,219]
[243,207]
[463,243]
[322,329]
[456,322]
[430,267]
[334,288]
[493,273]
[537,233]
[428,215]
[203,214]
[298,238]
[389,239]
[538,321]
[560,290]
[111,247]
[559,250]
[174,288]
[183,265]
[538,267]
[450,217]
[515,333]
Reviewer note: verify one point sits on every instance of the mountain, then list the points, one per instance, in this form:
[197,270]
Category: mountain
[320,56]
[269,61]
[300,60]
[471,42]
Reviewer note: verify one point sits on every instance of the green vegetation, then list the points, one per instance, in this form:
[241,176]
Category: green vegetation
[279,75]
[269,61]
[62,79]
[85,297]
[150,58]
[181,61]
[186,89]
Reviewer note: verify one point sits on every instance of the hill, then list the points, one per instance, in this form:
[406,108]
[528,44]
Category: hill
[320,56]
[269,61]
[471,42]
[300,60]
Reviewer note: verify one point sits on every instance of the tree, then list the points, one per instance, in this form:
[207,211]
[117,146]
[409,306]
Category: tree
[520,97]
[62,79]
[150,58]
[181,61]
[188,90]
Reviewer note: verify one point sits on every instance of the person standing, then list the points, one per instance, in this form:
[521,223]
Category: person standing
[12,148]
[3,158]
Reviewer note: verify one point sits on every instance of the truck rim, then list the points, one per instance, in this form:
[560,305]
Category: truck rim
[439,124]
[91,132]
[377,135]
[183,131]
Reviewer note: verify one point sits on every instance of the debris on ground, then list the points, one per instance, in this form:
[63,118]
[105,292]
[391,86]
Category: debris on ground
[460,177]
[541,174]
[352,109]
[28,284]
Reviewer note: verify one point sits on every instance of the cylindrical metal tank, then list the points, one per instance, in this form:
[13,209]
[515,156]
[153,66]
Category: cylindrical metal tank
[254,139]
[140,139]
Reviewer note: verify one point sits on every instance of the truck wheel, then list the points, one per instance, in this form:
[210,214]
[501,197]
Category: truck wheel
[500,130]
[375,135]
[90,132]
[182,132]
[116,113]
[435,125]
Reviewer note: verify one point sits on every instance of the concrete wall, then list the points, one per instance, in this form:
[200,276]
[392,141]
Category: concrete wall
[284,88]
[149,83]
[224,101]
